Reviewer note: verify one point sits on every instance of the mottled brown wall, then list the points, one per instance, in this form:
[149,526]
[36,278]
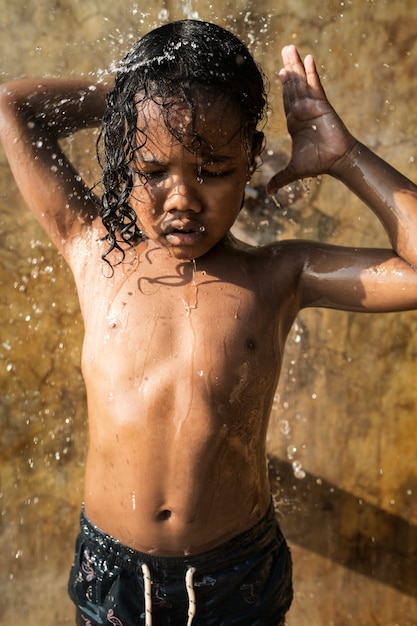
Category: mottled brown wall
[342,437]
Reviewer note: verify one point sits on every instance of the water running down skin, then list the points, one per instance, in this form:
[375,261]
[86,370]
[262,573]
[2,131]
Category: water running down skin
[179,396]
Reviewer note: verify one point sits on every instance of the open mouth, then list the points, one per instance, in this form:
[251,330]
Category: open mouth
[183,237]
[180,232]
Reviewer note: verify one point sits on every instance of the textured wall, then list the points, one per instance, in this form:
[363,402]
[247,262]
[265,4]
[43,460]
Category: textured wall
[342,439]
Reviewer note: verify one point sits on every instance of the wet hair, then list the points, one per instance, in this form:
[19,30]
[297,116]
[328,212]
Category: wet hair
[173,63]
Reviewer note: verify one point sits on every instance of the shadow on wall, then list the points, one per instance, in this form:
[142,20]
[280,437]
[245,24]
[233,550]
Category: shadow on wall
[347,530]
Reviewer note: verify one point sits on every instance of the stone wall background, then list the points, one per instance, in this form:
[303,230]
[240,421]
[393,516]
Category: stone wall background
[342,437]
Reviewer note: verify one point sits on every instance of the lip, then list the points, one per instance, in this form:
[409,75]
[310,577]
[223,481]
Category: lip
[182,232]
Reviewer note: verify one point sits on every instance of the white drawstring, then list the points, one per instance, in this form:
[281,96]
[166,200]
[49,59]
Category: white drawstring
[147,592]
[189,585]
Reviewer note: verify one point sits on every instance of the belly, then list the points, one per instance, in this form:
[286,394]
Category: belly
[175,472]
[177,429]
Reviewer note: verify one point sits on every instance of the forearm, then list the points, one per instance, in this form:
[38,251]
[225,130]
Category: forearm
[34,115]
[60,107]
[390,195]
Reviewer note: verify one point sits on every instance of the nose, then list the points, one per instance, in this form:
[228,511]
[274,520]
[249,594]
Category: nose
[183,196]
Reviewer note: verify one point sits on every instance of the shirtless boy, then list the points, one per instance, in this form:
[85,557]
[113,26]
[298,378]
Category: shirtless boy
[185,326]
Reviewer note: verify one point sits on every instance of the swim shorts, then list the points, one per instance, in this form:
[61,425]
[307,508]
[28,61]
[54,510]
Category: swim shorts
[246,581]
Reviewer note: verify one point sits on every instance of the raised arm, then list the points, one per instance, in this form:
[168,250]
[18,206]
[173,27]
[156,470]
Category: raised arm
[34,115]
[355,279]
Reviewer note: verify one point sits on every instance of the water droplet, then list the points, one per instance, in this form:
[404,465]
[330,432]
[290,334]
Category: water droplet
[285,427]
[190,291]
[291,450]
[298,470]
[163,15]
[276,202]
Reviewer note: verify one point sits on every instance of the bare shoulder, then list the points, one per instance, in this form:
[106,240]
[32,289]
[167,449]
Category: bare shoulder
[275,268]
[288,256]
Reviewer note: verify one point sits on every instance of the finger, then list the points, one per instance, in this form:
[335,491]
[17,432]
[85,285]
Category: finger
[293,76]
[312,76]
[292,61]
[302,73]
[285,177]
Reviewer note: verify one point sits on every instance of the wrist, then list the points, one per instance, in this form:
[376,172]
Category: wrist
[345,164]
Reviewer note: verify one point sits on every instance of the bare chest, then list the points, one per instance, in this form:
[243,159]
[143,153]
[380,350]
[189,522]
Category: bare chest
[175,323]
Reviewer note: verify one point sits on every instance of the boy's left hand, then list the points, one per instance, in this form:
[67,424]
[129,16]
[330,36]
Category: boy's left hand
[320,140]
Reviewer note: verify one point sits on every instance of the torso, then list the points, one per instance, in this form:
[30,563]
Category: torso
[180,362]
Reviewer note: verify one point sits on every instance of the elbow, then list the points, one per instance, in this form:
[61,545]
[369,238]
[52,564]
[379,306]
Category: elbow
[5,102]
[9,108]
[18,117]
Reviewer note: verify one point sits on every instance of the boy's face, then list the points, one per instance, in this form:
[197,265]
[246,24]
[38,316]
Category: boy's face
[187,194]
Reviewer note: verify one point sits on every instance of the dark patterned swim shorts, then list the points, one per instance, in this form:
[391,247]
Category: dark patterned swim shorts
[245,581]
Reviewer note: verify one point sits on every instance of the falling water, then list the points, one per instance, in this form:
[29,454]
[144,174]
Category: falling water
[190,291]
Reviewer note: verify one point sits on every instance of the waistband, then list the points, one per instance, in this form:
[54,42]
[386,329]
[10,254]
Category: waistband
[234,550]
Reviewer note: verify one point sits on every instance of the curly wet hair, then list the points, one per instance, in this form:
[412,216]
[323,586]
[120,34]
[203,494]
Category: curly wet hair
[174,62]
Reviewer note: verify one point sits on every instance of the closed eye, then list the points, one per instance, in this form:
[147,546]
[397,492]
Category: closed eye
[219,174]
[147,176]
[213,170]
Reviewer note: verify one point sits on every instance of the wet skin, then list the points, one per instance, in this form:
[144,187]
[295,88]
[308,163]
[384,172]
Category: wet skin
[184,342]
[190,392]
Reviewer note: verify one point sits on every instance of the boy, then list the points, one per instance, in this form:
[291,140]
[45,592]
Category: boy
[185,329]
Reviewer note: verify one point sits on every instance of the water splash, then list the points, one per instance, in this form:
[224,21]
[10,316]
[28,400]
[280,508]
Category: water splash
[298,470]
[163,15]
[186,7]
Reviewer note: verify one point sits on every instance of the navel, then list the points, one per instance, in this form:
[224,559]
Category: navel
[164,515]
